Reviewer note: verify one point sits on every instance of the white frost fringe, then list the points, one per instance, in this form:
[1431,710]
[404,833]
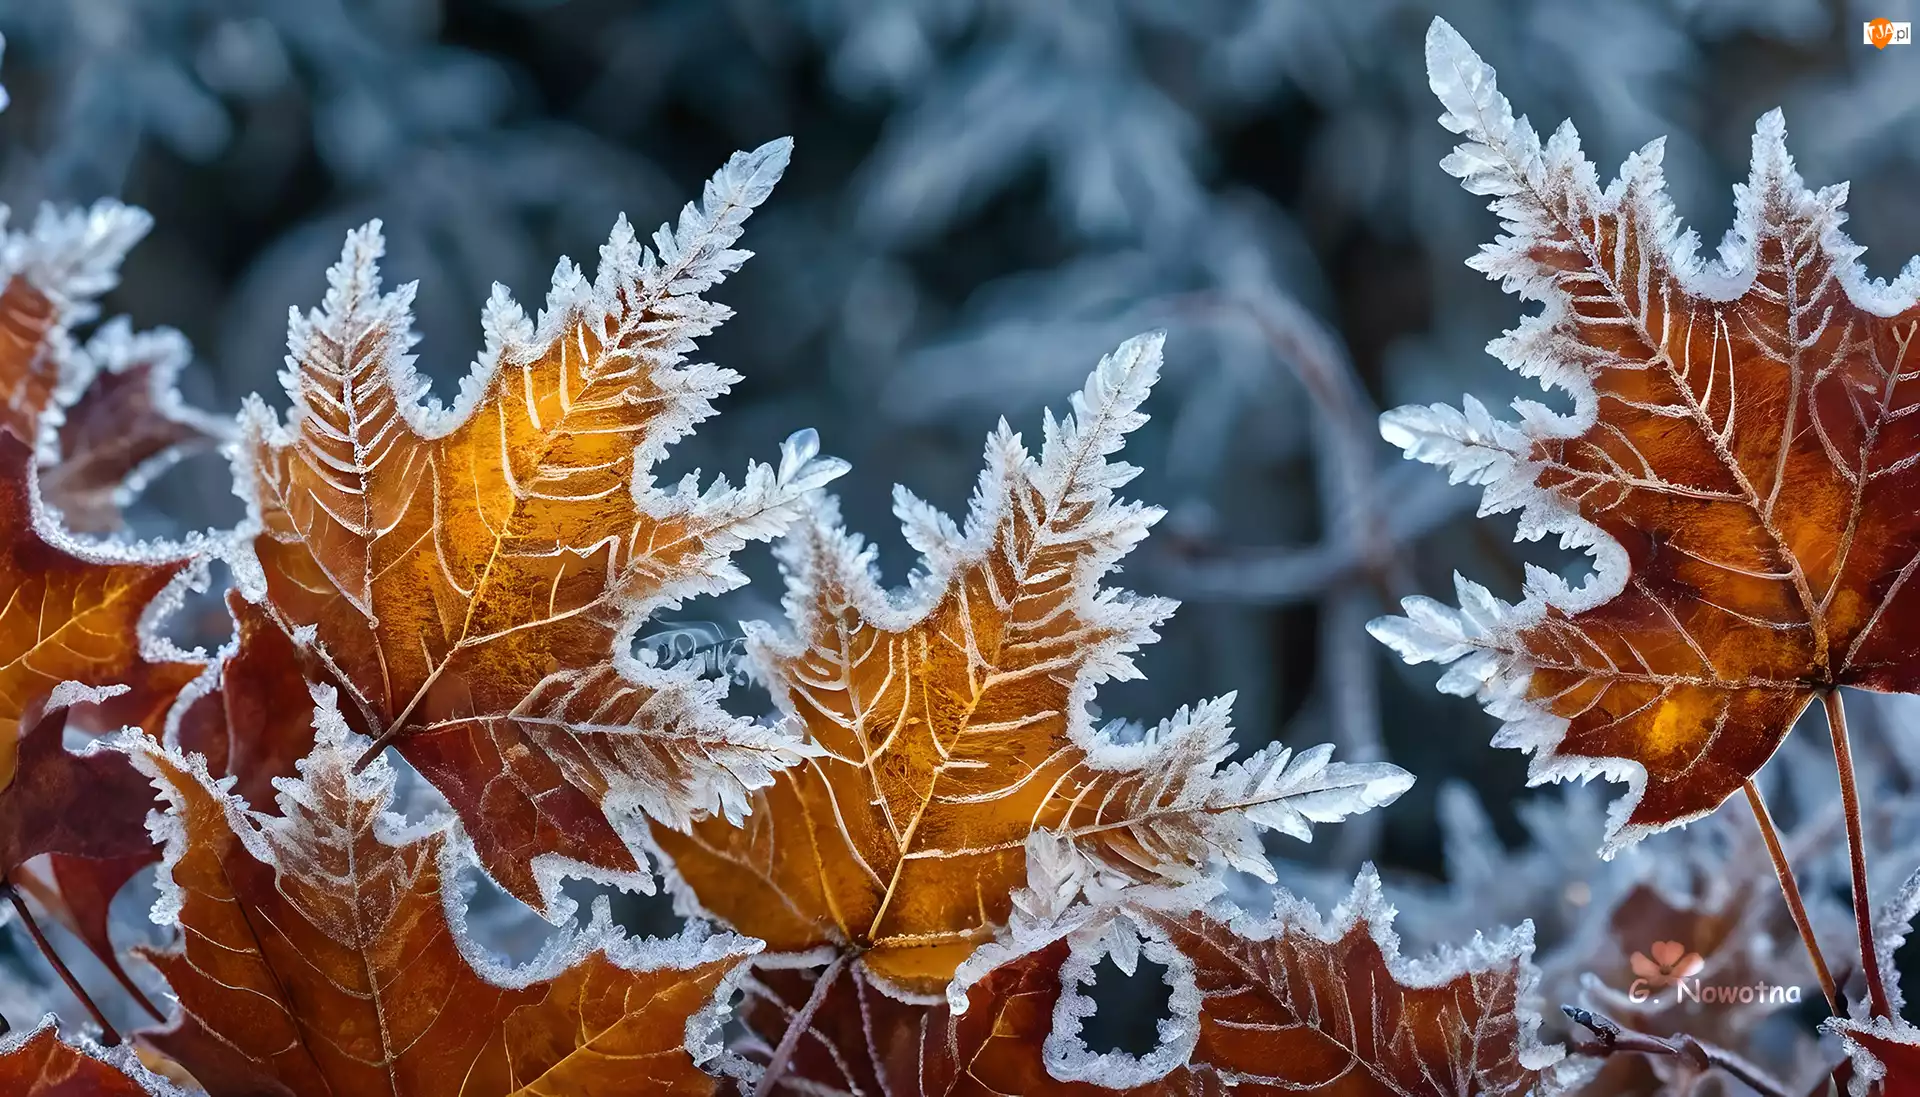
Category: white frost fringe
[651,297]
[1118,921]
[1196,811]
[1528,180]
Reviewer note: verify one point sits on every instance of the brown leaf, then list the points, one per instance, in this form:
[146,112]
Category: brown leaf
[85,805]
[126,427]
[1292,1006]
[252,723]
[40,1064]
[71,613]
[953,722]
[325,954]
[1741,461]
[472,579]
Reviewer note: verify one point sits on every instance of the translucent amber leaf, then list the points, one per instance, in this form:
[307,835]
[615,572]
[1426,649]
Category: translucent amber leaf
[68,612]
[40,1064]
[325,953]
[1741,461]
[952,722]
[28,373]
[472,578]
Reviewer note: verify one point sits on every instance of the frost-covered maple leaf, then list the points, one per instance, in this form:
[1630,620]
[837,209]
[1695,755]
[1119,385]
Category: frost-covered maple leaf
[74,611]
[1295,1003]
[325,952]
[472,577]
[1740,461]
[952,719]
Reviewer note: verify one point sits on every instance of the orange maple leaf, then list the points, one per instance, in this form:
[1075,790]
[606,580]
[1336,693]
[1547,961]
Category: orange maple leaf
[54,272]
[472,578]
[71,611]
[325,953]
[954,721]
[1294,1004]
[38,1063]
[109,411]
[1741,462]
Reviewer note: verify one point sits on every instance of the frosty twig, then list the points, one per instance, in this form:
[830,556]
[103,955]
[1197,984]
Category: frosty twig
[108,1035]
[1856,855]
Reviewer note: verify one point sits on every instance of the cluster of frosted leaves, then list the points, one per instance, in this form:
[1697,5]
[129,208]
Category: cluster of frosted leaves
[82,428]
[1739,461]
[324,951]
[1289,1004]
[74,607]
[471,578]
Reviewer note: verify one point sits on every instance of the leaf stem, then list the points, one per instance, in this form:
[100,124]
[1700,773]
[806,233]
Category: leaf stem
[1611,1038]
[1856,854]
[108,1035]
[796,1028]
[1791,890]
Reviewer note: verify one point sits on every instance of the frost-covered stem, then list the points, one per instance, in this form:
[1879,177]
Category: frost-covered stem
[1791,890]
[796,1028]
[1611,1039]
[1856,854]
[108,1035]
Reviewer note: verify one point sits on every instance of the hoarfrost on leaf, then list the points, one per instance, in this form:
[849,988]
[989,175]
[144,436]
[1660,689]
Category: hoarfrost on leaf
[315,940]
[953,720]
[472,578]
[1736,463]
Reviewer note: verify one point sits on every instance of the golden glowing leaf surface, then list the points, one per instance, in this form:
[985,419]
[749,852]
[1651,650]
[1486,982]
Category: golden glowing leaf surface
[1741,460]
[29,373]
[471,578]
[68,612]
[952,720]
[325,953]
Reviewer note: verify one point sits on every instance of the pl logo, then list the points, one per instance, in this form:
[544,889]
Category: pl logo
[1881,33]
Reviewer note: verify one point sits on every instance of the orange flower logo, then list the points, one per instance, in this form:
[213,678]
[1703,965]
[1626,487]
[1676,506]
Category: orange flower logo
[1670,963]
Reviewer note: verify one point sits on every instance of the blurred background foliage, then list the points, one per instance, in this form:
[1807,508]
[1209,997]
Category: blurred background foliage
[986,194]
